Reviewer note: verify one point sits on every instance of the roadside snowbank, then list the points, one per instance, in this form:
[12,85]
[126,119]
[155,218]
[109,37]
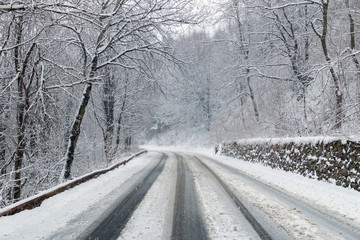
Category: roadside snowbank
[56,212]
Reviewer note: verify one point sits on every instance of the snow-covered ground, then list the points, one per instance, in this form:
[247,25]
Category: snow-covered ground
[153,217]
[268,204]
[56,212]
[342,201]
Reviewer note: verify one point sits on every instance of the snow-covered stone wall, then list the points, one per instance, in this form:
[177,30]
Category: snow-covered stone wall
[328,159]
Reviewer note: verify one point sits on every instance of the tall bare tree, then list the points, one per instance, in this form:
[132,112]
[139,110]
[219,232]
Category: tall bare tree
[322,34]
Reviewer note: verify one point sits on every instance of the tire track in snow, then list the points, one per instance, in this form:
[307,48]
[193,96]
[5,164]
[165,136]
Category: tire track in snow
[326,224]
[187,221]
[153,217]
[222,217]
[263,234]
[113,224]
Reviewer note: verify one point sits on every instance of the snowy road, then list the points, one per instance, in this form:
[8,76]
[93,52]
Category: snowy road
[187,221]
[112,223]
[175,195]
[300,219]
[282,215]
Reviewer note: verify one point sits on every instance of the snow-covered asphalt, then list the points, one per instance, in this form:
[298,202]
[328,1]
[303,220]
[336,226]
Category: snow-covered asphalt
[178,195]
[283,215]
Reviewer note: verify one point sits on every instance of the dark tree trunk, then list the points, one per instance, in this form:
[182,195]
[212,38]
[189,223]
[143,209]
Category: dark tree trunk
[245,51]
[75,128]
[22,108]
[2,141]
[2,151]
[120,117]
[338,93]
[128,142]
[208,105]
[252,97]
[75,132]
[353,46]
[109,104]
[19,155]
[304,104]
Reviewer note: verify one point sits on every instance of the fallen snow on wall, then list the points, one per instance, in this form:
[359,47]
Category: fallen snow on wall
[329,159]
[297,140]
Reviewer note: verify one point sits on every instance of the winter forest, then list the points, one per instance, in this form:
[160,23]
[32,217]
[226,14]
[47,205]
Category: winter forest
[84,82]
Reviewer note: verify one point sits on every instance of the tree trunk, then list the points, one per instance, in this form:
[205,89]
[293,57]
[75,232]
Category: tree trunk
[336,80]
[75,132]
[2,149]
[75,128]
[2,140]
[22,108]
[109,104]
[207,105]
[19,155]
[128,142]
[16,188]
[120,118]
[245,51]
[353,46]
[338,93]
[256,111]
[304,102]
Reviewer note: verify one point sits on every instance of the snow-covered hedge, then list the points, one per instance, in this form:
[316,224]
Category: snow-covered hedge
[330,159]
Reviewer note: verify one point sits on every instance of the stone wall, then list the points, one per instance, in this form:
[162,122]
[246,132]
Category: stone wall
[328,159]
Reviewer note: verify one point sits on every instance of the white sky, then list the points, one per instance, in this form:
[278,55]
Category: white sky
[211,7]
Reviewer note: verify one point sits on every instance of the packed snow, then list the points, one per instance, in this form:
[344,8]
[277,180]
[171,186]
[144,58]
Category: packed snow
[335,200]
[342,201]
[56,212]
[218,209]
[153,217]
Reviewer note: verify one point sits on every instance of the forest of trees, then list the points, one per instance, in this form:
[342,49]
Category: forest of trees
[269,69]
[84,81]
